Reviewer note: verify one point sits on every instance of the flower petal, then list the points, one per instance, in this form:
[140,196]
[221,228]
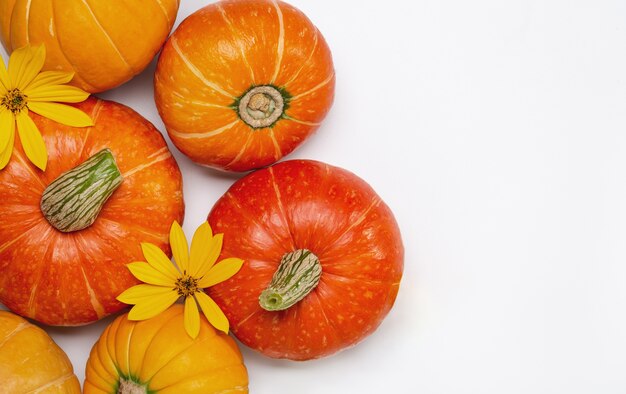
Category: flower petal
[180,250]
[220,272]
[200,246]
[6,154]
[31,139]
[136,294]
[5,83]
[50,78]
[64,114]
[59,93]
[152,306]
[209,254]
[148,274]
[192,317]
[212,312]
[159,261]
[7,127]
[24,65]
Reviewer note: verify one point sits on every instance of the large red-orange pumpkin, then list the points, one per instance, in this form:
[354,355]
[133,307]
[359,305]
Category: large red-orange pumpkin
[104,42]
[242,83]
[73,278]
[299,212]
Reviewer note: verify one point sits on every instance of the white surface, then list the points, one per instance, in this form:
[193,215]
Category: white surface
[496,132]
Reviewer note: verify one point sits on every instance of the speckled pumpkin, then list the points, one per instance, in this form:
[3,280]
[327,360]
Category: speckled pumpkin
[72,278]
[323,259]
[30,361]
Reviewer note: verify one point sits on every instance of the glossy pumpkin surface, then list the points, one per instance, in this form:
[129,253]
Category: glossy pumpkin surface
[104,42]
[30,361]
[308,205]
[157,356]
[224,51]
[73,278]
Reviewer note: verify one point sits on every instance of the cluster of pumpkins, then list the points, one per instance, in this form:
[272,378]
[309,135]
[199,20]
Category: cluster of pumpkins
[239,85]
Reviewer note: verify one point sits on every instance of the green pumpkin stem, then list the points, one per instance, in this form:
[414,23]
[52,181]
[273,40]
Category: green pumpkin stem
[73,201]
[298,274]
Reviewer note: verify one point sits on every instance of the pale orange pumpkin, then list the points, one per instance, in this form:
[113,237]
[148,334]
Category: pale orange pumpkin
[242,83]
[157,356]
[30,361]
[104,42]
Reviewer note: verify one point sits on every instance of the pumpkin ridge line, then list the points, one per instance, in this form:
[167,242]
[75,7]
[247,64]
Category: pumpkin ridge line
[316,87]
[154,336]
[330,323]
[26,23]
[55,382]
[206,134]
[15,331]
[251,218]
[141,229]
[277,151]
[304,122]
[241,151]
[19,156]
[243,321]
[24,233]
[162,156]
[281,207]
[95,113]
[108,37]
[128,343]
[95,303]
[37,282]
[162,7]
[371,281]
[376,202]
[223,367]
[297,73]
[281,41]
[195,71]
[232,31]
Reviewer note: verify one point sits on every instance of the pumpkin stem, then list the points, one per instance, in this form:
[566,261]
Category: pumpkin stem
[297,275]
[127,386]
[261,106]
[73,201]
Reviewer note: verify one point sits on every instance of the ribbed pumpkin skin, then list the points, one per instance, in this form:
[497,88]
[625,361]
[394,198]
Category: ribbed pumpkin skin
[303,204]
[216,55]
[30,361]
[73,278]
[105,42]
[159,352]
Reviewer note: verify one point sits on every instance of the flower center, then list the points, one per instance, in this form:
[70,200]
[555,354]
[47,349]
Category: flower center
[14,101]
[186,285]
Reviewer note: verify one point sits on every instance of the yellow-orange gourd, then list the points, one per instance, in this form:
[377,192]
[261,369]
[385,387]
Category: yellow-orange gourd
[158,356]
[105,42]
[30,361]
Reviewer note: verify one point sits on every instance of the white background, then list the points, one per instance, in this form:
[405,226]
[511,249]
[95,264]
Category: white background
[496,132]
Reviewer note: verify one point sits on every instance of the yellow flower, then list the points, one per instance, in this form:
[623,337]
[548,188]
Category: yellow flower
[165,283]
[24,88]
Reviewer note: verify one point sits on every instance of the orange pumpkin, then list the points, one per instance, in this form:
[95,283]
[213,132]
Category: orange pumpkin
[323,259]
[157,356]
[105,42]
[70,278]
[242,83]
[30,361]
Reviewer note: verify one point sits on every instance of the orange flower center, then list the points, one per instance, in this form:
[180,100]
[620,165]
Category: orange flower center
[186,286]
[14,101]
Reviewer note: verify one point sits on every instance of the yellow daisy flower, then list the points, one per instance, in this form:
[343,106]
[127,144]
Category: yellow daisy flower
[165,283]
[24,88]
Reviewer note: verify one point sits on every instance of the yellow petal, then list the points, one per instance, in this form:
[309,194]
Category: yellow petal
[24,65]
[152,306]
[192,317]
[31,139]
[200,246]
[64,114]
[50,78]
[148,274]
[209,255]
[212,312]
[6,154]
[180,250]
[5,84]
[159,261]
[7,127]
[220,272]
[136,294]
[59,93]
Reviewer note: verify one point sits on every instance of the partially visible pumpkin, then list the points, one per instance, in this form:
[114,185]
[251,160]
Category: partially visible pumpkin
[242,83]
[30,361]
[323,259]
[105,42]
[158,356]
[72,278]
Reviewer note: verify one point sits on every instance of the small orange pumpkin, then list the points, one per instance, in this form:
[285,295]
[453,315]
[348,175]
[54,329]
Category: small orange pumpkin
[104,42]
[157,356]
[30,361]
[242,83]
[59,274]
